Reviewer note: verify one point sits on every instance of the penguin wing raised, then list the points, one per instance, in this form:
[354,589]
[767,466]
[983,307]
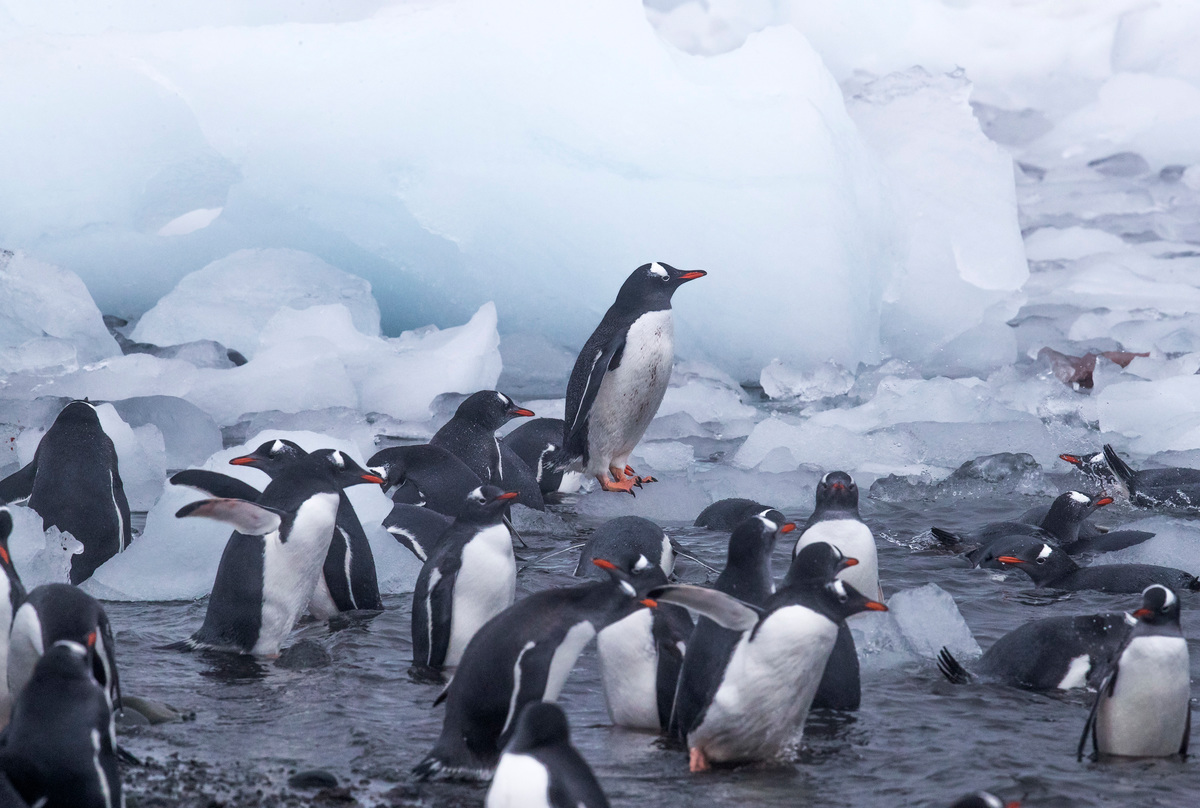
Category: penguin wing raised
[604,358]
[19,484]
[216,484]
[724,610]
[249,518]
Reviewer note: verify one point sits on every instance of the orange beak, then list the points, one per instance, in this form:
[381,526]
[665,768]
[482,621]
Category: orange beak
[1072,459]
[691,276]
[876,606]
[92,640]
[509,495]
[373,478]
[1104,501]
[788,527]
[244,460]
[1143,613]
[1009,560]
[653,604]
[603,564]
[4,555]
[850,562]
[522,412]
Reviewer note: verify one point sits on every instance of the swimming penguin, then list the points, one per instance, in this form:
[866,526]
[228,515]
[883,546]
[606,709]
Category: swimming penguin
[640,656]
[470,578]
[766,689]
[60,749]
[540,768]
[1174,487]
[621,376]
[536,442]
[522,655]
[1056,653]
[425,475]
[73,483]
[835,521]
[1093,466]
[1143,705]
[747,576]
[417,528]
[726,514]
[54,612]
[12,593]
[471,437]
[272,563]
[1051,568]
[982,799]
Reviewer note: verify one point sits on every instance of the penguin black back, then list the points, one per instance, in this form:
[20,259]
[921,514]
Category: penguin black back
[438,479]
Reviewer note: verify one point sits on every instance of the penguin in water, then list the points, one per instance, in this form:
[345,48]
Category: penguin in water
[523,655]
[348,578]
[1051,568]
[1087,536]
[60,749]
[471,437]
[1173,487]
[641,655]
[1143,705]
[74,484]
[60,612]
[620,378]
[537,442]
[747,576]
[726,514]
[424,475]
[835,521]
[541,769]
[12,594]
[470,578]
[1093,466]
[767,687]
[1055,653]
[983,799]
[272,563]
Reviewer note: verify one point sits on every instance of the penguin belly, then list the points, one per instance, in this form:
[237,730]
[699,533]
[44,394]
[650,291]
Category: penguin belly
[292,568]
[629,670]
[485,586]
[855,540]
[1147,713]
[321,605]
[520,781]
[768,687]
[25,647]
[630,394]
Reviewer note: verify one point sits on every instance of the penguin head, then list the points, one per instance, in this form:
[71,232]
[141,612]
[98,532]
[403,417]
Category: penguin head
[66,659]
[1040,561]
[1093,465]
[486,504]
[818,562]
[842,600]
[633,584]
[1160,606]
[632,543]
[755,537]
[271,455]
[1073,507]
[80,412]
[345,471]
[650,286]
[982,799]
[490,409]
[541,724]
[837,491]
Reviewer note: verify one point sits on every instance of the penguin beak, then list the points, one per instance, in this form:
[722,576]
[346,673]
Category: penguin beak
[1104,501]
[244,460]
[520,412]
[1009,560]
[1143,614]
[509,495]
[849,562]
[788,527]
[653,604]
[1072,459]
[373,478]
[4,556]
[691,276]
[876,606]
[91,638]
[603,564]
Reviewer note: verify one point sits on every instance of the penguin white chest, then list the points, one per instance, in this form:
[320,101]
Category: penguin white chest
[629,669]
[291,569]
[630,394]
[1146,716]
[485,586]
[768,687]
[520,781]
[855,540]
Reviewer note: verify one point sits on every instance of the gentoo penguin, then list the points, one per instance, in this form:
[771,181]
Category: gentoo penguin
[765,691]
[425,475]
[470,435]
[726,514]
[982,799]
[747,576]
[348,578]
[1174,487]
[73,483]
[540,768]
[1093,466]
[272,563]
[417,528]
[621,376]
[835,521]
[470,578]
[536,442]
[54,612]
[1056,653]
[640,656]
[1051,568]
[60,749]
[522,655]
[12,593]
[1143,705]
[841,684]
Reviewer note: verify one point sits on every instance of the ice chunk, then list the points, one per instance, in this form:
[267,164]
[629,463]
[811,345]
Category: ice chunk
[1176,544]
[189,435]
[1154,415]
[1069,243]
[534,367]
[40,557]
[708,395]
[780,380]
[660,456]
[917,624]
[232,300]
[672,499]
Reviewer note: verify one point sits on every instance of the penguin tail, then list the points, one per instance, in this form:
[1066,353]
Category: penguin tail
[563,459]
[947,538]
[1119,466]
[1193,585]
[127,757]
[952,669]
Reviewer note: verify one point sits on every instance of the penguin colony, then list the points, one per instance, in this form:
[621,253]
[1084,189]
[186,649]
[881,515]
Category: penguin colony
[727,673]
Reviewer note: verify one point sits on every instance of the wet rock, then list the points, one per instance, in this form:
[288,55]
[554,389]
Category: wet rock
[313,778]
[303,655]
[144,711]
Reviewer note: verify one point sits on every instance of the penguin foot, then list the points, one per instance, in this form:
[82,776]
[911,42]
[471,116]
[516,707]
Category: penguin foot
[620,475]
[623,483]
[697,761]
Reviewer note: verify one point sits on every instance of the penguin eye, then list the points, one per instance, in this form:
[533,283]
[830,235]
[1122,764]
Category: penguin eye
[1041,559]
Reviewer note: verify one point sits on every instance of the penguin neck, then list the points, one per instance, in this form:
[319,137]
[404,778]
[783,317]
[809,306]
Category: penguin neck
[603,603]
[747,576]
[1059,524]
[1058,565]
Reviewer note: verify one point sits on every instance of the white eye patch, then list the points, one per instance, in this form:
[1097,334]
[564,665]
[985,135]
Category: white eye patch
[642,563]
[476,495]
[657,269]
[338,460]
[1082,499]
[1046,551]
[277,447]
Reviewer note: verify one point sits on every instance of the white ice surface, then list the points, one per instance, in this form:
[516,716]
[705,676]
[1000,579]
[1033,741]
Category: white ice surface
[40,557]
[917,624]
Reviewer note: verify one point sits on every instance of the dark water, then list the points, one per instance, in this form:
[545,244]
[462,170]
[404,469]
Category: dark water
[917,740]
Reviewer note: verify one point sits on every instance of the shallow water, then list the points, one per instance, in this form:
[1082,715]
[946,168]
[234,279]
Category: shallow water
[917,739]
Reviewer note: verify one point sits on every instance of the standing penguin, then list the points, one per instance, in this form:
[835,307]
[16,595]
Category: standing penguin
[12,593]
[621,376]
[537,442]
[60,749]
[73,483]
[471,437]
[747,576]
[835,521]
[1143,705]
[541,769]
[271,565]
[470,578]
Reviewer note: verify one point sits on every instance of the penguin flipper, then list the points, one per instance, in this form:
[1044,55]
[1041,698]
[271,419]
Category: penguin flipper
[948,539]
[724,610]
[249,518]
[216,484]
[1187,732]
[19,484]
[951,668]
[1119,467]
[606,358]
[1089,727]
